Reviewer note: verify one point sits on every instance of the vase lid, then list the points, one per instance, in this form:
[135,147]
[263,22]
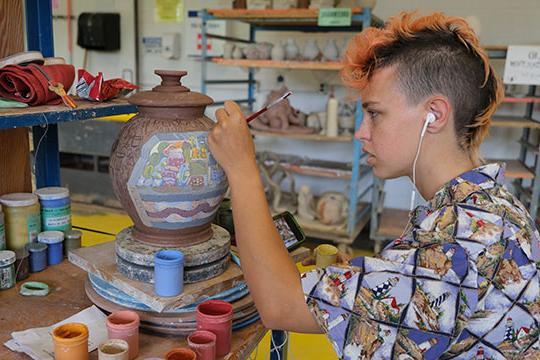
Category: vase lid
[170,93]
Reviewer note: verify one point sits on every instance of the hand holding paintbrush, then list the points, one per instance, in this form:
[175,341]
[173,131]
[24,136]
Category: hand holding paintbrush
[264,109]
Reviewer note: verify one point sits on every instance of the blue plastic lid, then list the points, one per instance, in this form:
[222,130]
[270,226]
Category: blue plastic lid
[169,258]
[36,247]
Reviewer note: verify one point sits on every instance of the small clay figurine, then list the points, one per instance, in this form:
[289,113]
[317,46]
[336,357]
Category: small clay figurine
[332,208]
[306,206]
[282,117]
[273,174]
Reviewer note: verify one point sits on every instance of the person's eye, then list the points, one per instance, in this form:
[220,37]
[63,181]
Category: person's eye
[372,114]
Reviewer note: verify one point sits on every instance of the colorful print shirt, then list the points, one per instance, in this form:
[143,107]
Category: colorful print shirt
[462,282]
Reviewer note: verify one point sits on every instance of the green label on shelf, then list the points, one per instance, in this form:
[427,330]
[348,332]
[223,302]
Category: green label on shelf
[334,17]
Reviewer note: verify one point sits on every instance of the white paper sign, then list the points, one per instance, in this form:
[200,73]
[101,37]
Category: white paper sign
[522,65]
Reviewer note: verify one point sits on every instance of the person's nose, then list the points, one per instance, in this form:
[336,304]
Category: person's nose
[363,132]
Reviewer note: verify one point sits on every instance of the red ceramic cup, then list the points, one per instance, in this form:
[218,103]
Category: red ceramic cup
[203,343]
[216,316]
[125,325]
[181,354]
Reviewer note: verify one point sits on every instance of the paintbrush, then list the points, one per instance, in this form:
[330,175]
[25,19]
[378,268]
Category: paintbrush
[264,109]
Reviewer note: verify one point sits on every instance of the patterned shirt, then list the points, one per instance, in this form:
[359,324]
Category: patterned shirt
[462,282]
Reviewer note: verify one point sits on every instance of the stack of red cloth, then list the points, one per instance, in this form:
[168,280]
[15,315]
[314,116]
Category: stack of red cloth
[29,85]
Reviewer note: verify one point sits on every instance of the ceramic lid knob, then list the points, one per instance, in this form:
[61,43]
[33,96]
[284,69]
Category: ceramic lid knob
[171,81]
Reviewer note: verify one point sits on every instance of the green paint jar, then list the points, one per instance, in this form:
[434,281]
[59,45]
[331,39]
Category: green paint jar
[22,219]
[55,208]
[7,269]
[72,240]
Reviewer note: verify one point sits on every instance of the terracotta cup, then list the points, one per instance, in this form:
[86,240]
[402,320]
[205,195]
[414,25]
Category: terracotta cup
[114,349]
[71,342]
[181,354]
[216,316]
[325,255]
[203,343]
[125,325]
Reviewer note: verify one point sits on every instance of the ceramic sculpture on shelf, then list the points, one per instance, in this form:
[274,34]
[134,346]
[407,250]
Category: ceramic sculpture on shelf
[265,50]
[311,51]
[238,53]
[278,52]
[284,4]
[330,51]
[228,49]
[161,168]
[273,174]
[332,208]
[291,50]
[313,122]
[306,204]
[251,52]
[281,117]
[346,117]
[317,4]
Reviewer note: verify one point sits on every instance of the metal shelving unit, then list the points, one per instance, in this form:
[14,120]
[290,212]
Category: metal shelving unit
[304,20]
[44,119]
[388,224]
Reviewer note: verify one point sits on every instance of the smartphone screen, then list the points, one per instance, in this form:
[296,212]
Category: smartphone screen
[291,237]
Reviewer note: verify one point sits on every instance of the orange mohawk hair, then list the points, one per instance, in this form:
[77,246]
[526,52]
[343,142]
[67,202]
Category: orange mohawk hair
[434,54]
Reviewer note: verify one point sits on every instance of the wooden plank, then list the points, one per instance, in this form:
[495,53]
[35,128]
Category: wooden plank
[515,169]
[392,222]
[514,121]
[15,175]
[309,137]
[100,260]
[253,14]
[68,297]
[525,100]
[289,64]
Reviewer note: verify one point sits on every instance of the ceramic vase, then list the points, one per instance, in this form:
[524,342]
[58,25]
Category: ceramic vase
[291,50]
[330,52]
[162,170]
[332,208]
[311,51]
[278,52]
[238,53]
[265,50]
[228,49]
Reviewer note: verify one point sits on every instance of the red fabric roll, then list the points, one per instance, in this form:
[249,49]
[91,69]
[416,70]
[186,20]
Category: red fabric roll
[29,85]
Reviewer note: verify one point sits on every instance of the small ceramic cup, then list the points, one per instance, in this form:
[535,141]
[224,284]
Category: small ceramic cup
[203,343]
[325,255]
[216,316]
[124,325]
[114,349]
[181,354]
[71,342]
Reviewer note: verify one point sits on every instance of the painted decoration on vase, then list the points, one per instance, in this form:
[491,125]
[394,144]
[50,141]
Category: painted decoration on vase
[176,182]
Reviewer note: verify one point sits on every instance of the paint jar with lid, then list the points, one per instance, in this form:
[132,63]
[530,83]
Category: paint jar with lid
[72,240]
[22,263]
[216,316]
[22,219]
[2,232]
[54,241]
[55,208]
[124,324]
[168,272]
[38,256]
[71,342]
[7,269]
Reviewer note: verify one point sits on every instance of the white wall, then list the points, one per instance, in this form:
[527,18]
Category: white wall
[500,22]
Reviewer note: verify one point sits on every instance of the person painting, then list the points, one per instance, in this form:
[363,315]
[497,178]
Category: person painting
[462,281]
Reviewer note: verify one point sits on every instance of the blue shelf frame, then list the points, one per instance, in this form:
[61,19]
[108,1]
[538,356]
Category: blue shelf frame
[366,19]
[43,120]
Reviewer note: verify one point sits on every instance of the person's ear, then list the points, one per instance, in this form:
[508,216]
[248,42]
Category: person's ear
[440,107]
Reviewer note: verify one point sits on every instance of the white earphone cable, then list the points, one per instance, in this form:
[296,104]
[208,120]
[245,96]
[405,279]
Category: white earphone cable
[424,129]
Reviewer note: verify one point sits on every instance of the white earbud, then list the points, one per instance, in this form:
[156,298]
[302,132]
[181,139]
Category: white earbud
[430,119]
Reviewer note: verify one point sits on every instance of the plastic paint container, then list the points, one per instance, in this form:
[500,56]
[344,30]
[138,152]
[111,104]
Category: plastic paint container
[22,219]
[72,240]
[55,208]
[2,232]
[181,354]
[168,272]
[114,349]
[125,325]
[7,269]
[22,264]
[54,240]
[38,256]
[216,316]
[203,343]
[325,255]
[71,342]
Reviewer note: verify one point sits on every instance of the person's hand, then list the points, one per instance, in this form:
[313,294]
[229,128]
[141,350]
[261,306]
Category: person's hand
[342,258]
[230,141]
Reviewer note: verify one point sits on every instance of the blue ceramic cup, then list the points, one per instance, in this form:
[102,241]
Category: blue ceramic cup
[168,272]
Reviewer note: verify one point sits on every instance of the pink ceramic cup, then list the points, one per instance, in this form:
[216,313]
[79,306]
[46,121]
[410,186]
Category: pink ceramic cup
[203,343]
[216,316]
[125,325]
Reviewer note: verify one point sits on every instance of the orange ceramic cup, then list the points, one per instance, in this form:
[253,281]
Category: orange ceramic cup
[71,342]
[181,354]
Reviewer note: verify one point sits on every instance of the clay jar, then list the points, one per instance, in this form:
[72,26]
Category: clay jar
[181,354]
[162,170]
[71,342]
[216,316]
[203,343]
[124,325]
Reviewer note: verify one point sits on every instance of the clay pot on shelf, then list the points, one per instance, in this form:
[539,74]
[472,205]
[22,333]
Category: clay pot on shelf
[161,168]
[291,50]
[332,208]
[278,52]
[330,51]
[311,51]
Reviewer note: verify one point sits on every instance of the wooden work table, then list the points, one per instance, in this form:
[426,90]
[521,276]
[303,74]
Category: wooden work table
[67,297]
